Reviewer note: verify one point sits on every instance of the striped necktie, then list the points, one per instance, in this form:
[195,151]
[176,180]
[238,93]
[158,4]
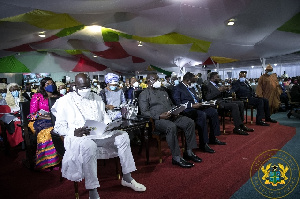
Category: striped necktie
[195,100]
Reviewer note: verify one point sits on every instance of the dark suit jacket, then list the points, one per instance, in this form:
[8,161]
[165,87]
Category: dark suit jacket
[242,89]
[153,102]
[212,93]
[181,95]
[26,96]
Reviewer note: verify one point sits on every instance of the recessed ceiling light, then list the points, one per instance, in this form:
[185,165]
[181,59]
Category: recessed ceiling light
[140,43]
[275,64]
[231,22]
[42,34]
[252,66]
[95,56]
[94,28]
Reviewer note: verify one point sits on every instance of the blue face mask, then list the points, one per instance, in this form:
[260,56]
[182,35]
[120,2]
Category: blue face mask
[112,88]
[242,79]
[176,82]
[50,88]
[15,93]
[270,73]
[3,95]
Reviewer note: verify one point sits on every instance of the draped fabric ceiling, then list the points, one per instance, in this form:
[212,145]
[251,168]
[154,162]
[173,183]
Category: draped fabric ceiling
[173,33]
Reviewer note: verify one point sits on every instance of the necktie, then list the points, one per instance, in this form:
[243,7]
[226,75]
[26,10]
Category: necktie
[195,100]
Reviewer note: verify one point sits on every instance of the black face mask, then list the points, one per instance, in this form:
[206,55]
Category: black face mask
[216,81]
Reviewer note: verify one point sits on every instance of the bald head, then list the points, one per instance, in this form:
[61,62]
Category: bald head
[82,80]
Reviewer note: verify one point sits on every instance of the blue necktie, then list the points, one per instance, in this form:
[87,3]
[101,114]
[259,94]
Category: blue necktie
[195,100]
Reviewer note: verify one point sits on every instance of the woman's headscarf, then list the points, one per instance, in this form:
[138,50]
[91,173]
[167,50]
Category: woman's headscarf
[111,78]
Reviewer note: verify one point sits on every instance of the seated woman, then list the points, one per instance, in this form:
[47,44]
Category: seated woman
[112,96]
[41,125]
[10,115]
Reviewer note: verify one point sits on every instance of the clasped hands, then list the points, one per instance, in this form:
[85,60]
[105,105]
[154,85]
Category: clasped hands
[83,131]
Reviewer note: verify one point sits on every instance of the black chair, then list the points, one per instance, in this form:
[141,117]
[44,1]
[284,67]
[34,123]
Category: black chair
[28,136]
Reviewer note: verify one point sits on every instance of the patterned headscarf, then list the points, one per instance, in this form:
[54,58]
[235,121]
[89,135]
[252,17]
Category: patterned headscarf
[111,78]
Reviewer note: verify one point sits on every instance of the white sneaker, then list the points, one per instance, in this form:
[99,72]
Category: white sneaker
[133,185]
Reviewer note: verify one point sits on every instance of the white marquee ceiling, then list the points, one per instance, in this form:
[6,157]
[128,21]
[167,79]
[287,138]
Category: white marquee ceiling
[255,34]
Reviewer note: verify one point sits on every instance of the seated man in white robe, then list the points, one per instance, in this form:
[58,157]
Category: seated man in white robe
[80,158]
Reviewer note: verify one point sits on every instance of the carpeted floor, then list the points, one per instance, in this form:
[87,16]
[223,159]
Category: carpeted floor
[220,175]
[247,191]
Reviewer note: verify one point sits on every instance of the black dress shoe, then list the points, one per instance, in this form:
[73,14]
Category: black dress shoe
[182,163]
[240,131]
[217,142]
[270,120]
[261,123]
[244,128]
[206,148]
[289,114]
[193,157]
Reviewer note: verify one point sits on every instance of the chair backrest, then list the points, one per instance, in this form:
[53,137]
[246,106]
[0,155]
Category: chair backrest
[24,112]
[51,102]
[204,91]
[56,138]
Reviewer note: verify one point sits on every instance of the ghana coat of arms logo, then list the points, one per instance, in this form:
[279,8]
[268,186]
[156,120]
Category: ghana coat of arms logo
[274,174]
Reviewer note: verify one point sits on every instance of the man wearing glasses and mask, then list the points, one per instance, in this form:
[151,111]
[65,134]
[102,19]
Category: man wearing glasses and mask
[72,112]
[155,103]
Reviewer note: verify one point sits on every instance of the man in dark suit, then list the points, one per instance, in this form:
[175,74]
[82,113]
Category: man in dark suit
[155,103]
[215,92]
[184,93]
[242,89]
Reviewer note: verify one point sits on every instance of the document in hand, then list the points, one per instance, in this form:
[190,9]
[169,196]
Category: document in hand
[176,110]
[100,130]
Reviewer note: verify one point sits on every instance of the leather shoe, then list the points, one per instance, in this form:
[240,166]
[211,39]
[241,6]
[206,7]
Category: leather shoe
[206,148]
[193,157]
[289,114]
[244,128]
[270,120]
[182,163]
[240,131]
[261,123]
[217,142]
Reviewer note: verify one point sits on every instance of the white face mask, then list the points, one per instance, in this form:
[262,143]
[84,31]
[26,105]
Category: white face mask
[176,82]
[242,79]
[157,84]
[63,91]
[84,92]
[135,84]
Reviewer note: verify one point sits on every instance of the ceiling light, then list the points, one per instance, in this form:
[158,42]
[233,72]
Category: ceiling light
[275,64]
[42,34]
[231,22]
[94,28]
[252,66]
[140,43]
[215,69]
[95,56]
[232,68]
